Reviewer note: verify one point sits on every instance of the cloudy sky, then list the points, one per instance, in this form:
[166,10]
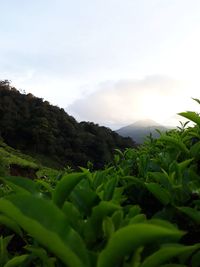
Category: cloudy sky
[108,61]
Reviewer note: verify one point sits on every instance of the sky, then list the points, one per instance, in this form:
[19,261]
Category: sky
[112,62]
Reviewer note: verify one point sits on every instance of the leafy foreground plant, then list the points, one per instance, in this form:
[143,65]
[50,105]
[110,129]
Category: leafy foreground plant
[141,211]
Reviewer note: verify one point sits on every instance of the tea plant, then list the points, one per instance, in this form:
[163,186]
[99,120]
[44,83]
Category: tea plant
[142,210]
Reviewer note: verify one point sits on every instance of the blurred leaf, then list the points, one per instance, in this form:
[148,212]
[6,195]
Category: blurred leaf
[129,238]
[175,142]
[108,227]
[196,259]
[192,213]
[10,224]
[192,116]
[109,189]
[41,254]
[21,185]
[65,186]
[159,192]
[4,256]
[117,218]
[166,253]
[16,261]
[197,100]
[48,225]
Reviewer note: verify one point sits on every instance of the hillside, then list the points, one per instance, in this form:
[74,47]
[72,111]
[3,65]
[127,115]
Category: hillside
[38,128]
[139,130]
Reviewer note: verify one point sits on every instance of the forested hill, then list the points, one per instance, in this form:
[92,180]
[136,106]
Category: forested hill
[34,126]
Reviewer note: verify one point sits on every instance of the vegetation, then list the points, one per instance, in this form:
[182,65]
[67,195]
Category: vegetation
[141,210]
[47,132]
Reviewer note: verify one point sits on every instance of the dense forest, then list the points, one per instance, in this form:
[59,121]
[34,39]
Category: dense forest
[36,127]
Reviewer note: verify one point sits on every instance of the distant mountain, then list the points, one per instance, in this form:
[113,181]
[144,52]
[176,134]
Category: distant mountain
[140,129]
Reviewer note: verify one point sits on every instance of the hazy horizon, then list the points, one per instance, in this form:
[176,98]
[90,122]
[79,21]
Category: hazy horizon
[106,61]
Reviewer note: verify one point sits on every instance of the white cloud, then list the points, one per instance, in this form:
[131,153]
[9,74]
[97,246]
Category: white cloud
[119,103]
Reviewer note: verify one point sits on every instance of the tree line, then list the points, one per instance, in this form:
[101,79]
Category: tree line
[34,126]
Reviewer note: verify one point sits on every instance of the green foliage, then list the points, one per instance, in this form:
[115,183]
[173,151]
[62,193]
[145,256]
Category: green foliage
[143,210]
[48,133]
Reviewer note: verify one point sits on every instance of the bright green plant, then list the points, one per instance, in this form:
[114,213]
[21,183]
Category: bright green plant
[140,211]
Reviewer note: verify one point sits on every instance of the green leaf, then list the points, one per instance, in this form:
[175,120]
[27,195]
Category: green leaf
[109,189]
[10,224]
[22,185]
[195,150]
[197,100]
[159,192]
[192,213]
[84,199]
[108,227]
[48,225]
[101,211]
[191,115]
[138,219]
[129,238]
[42,255]
[136,259]
[4,241]
[175,142]
[166,253]
[117,218]
[65,186]
[134,210]
[184,164]
[16,261]
[93,229]
[72,214]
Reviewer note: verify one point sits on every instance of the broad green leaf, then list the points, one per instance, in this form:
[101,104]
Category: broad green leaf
[93,229]
[184,164]
[22,185]
[48,225]
[99,212]
[108,227]
[159,192]
[16,261]
[10,224]
[163,223]
[129,238]
[65,186]
[192,213]
[109,189]
[191,115]
[166,253]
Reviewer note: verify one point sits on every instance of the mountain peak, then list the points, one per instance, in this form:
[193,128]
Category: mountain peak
[140,129]
[145,123]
